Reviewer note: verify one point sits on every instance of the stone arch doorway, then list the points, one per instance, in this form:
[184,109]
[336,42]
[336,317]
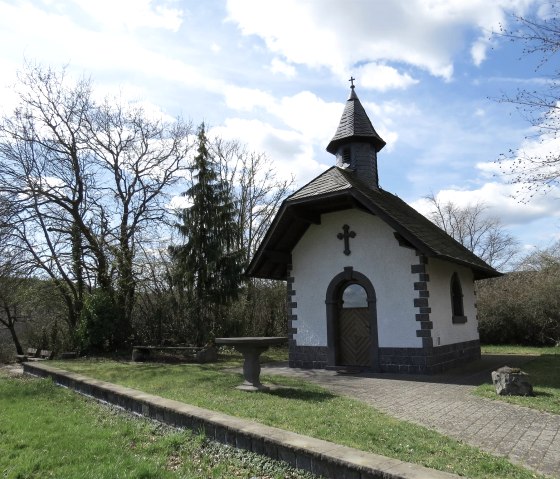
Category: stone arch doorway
[352,322]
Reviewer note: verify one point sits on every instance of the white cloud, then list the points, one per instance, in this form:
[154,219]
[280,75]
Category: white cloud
[114,54]
[382,116]
[291,154]
[132,14]
[501,200]
[478,51]
[328,33]
[303,112]
[246,99]
[309,115]
[536,158]
[304,125]
[279,66]
[535,224]
[547,10]
[306,114]
[179,202]
[383,77]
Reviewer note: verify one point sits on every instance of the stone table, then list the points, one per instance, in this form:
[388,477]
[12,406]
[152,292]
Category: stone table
[252,348]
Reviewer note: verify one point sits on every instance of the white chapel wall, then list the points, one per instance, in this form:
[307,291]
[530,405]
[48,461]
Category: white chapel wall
[445,331]
[375,252]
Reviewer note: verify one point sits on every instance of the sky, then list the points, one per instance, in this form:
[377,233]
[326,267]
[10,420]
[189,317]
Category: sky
[273,74]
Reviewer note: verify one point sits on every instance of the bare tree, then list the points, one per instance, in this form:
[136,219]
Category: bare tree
[89,180]
[540,105]
[157,317]
[256,187]
[9,311]
[259,192]
[142,159]
[475,230]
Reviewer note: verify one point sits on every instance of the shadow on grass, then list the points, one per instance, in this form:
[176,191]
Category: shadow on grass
[545,371]
[491,393]
[543,394]
[286,392]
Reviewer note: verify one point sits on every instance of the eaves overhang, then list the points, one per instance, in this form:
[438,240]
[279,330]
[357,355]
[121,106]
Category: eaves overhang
[297,213]
[291,222]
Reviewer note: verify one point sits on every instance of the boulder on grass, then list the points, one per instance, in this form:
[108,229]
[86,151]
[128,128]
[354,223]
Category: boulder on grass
[512,382]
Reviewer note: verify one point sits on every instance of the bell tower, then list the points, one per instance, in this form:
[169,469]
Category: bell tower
[356,143]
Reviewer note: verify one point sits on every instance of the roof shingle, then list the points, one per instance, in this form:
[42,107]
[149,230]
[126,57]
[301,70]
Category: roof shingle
[354,125]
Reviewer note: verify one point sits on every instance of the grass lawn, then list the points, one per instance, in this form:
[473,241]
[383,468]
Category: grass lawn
[47,431]
[303,408]
[544,375]
[518,349]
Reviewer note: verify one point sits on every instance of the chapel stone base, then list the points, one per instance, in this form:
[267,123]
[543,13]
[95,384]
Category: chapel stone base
[307,357]
[428,360]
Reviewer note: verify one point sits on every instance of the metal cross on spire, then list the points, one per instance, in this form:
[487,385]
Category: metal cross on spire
[352,82]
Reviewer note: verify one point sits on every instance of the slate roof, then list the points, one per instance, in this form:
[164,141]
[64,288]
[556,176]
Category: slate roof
[354,125]
[338,189]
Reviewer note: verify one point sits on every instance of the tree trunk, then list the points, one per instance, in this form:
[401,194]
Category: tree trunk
[12,329]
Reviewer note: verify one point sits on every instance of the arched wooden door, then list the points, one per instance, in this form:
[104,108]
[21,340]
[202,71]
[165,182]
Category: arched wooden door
[354,328]
[352,322]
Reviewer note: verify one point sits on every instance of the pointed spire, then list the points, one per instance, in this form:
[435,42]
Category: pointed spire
[354,125]
[356,143]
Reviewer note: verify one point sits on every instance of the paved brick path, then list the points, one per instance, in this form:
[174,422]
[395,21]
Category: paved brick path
[445,403]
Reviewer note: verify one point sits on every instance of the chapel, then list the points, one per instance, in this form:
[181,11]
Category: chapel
[372,284]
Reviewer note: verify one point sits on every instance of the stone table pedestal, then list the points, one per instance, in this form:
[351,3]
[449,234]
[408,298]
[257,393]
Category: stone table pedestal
[252,348]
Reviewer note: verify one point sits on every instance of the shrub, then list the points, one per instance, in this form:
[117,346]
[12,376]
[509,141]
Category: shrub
[97,323]
[521,307]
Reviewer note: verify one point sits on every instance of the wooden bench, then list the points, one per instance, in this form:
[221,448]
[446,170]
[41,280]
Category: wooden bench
[34,355]
[205,354]
[31,354]
[45,354]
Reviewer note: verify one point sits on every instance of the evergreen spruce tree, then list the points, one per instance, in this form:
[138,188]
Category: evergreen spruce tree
[208,266]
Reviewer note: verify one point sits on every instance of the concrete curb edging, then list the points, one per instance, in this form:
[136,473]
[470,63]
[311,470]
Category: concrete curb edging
[320,457]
